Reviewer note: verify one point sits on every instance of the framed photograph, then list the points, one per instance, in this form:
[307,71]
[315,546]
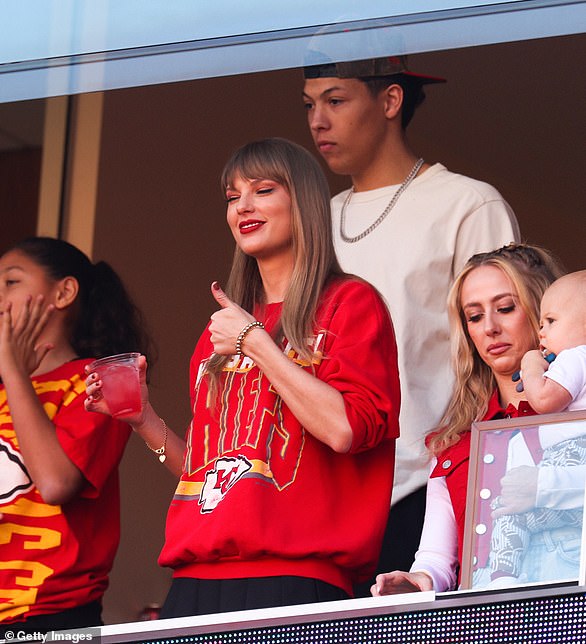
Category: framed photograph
[525,502]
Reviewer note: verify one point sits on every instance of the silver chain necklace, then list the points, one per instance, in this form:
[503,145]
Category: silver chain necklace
[385,212]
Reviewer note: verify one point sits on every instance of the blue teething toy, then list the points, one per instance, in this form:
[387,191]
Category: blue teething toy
[516,377]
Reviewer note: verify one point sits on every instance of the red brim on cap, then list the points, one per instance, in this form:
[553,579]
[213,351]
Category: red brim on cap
[426,79]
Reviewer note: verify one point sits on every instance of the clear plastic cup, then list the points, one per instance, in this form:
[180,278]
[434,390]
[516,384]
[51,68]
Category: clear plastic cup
[120,383]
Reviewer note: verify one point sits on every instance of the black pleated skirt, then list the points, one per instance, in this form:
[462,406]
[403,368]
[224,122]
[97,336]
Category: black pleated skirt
[189,596]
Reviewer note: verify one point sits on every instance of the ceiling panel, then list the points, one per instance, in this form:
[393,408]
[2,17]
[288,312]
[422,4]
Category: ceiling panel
[59,47]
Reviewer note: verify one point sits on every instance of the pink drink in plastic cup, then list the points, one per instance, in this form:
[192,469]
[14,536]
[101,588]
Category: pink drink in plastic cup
[120,383]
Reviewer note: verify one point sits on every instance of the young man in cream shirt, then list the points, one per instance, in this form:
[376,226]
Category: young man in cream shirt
[408,227]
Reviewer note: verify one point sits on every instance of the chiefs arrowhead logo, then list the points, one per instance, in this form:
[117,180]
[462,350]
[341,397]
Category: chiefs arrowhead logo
[14,477]
[218,481]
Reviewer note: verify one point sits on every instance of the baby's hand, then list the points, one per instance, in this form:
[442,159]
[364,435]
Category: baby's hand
[532,360]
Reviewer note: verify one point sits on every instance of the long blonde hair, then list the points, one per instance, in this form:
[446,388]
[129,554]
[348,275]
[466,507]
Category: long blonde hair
[531,270]
[315,261]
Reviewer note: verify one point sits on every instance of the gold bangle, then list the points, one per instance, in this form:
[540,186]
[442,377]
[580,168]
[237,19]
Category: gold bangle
[161,450]
[244,333]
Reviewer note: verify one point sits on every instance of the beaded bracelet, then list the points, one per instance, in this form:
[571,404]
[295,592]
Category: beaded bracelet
[244,333]
[160,451]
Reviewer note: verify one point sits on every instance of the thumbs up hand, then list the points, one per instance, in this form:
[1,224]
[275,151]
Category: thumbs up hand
[227,323]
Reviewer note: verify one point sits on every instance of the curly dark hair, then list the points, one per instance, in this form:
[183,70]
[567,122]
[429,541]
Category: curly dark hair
[105,319]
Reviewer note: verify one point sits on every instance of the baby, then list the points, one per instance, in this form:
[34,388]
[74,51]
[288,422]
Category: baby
[550,386]
[562,384]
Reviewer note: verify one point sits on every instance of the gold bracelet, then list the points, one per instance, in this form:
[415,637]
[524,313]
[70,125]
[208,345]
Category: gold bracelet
[161,450]
[244,333]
